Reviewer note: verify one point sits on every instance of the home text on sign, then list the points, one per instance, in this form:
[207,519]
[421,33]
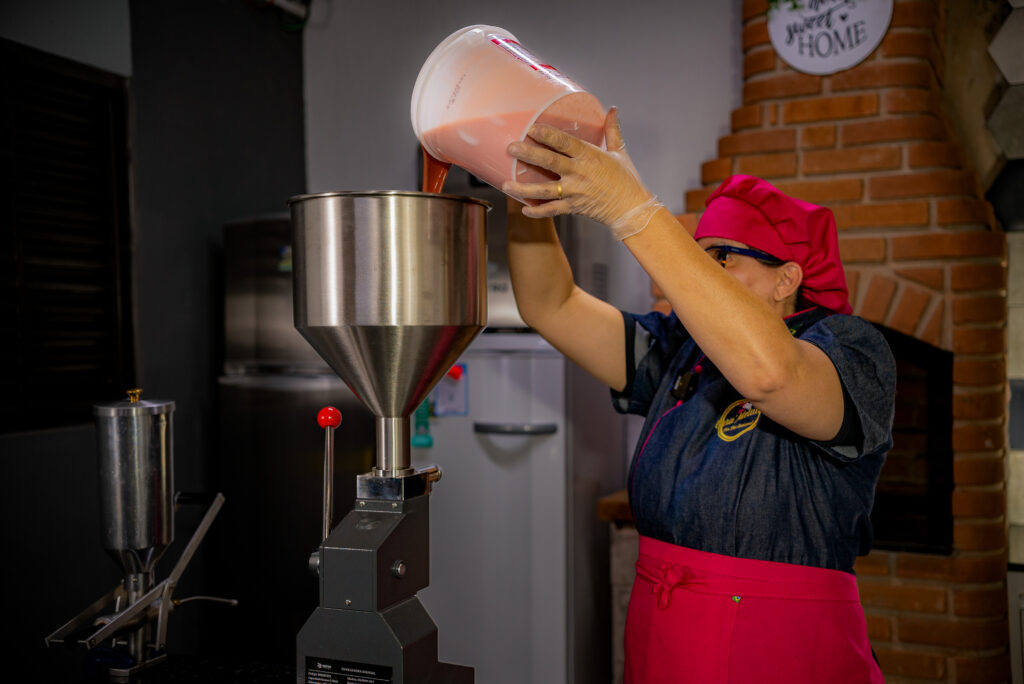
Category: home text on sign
[826,36]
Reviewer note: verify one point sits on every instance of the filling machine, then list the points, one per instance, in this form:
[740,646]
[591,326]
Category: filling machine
[137,501]
[389,288]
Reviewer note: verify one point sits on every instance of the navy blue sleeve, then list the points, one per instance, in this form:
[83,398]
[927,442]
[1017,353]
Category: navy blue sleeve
[867,371]
[652,341]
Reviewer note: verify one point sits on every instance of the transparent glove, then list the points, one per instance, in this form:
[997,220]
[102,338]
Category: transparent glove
[600,184]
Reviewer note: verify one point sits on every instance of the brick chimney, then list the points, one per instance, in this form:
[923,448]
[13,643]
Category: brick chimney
[923,257]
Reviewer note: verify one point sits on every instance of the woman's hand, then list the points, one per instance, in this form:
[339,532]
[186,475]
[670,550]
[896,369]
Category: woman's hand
[600,184]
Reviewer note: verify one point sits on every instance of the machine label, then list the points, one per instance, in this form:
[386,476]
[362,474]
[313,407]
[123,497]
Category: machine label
[324,671]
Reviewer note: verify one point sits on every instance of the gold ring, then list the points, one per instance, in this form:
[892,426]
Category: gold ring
[559,191]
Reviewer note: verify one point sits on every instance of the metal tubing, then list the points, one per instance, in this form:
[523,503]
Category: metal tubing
[138,584]
[393,451]
[328,480]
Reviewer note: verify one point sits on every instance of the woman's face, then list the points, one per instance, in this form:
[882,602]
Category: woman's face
[761,278]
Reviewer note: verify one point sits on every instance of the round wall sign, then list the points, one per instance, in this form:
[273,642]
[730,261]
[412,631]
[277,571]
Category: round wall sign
[826,36]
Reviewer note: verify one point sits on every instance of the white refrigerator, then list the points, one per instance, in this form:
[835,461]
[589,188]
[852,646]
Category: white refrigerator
[527,444]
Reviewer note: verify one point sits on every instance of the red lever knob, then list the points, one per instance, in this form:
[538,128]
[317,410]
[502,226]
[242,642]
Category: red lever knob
[329,417]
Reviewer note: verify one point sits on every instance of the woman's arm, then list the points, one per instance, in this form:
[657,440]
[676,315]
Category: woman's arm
[792,382]
[587,330]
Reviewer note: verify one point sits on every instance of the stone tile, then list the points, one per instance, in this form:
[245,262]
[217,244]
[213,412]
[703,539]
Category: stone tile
[1015,269]
[1005,47]
[1004,122]
[1017,544]
[1015,489]
[1015,343]
[624,551]
[1016,416]
[625,548]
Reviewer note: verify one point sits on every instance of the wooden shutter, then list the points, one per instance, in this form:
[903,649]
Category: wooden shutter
[65,245]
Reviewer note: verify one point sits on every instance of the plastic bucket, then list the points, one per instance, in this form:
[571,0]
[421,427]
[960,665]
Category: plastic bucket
[480,90]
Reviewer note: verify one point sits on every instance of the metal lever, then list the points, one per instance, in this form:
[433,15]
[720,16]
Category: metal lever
[329,419]
[156,601]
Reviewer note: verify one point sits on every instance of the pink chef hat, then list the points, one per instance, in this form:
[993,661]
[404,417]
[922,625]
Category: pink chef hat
[752,211]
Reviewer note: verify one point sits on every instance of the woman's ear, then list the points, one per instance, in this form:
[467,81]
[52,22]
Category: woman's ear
[788,280]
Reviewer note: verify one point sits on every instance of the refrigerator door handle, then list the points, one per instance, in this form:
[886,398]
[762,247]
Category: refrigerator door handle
[515,428]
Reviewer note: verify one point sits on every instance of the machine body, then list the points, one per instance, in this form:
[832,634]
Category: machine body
[370,623]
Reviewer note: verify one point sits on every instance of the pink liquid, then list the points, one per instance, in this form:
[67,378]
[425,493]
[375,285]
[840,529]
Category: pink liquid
[434,172]
[479,144]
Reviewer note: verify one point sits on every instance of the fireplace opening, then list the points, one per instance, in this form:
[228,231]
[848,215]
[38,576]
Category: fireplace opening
[913,508]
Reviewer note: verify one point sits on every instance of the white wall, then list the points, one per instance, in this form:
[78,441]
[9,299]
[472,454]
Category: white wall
[674,68]
[94,32]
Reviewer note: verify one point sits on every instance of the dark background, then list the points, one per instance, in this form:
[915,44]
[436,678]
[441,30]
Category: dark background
[216,134]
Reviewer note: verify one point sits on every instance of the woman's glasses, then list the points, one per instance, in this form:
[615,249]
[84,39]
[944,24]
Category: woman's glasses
[720,253]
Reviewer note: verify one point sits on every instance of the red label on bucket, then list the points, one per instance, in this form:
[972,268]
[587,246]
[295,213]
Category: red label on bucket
[519,52]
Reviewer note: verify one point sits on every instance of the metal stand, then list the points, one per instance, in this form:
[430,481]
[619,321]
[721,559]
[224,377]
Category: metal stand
[370,627]
[129,609]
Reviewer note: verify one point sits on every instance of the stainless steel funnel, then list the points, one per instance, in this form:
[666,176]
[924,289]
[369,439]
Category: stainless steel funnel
[390,288]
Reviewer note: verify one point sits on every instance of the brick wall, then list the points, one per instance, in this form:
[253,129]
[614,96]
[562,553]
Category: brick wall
[924,257]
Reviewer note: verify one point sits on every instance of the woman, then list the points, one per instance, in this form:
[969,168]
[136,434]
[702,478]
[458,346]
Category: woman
[768,415]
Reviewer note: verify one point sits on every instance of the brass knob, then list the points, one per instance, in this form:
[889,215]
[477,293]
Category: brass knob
[134,394]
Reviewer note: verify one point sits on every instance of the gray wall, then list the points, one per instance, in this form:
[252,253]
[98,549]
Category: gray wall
[673,67]
[218,96]
[216,92]
[94,33]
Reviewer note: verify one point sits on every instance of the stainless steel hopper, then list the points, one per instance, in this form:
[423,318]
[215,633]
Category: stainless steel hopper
[390,288]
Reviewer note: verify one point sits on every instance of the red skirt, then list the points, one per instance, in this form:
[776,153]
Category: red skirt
[711,619]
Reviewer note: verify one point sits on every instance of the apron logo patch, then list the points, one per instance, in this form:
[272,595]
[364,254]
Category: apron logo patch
[738,418]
